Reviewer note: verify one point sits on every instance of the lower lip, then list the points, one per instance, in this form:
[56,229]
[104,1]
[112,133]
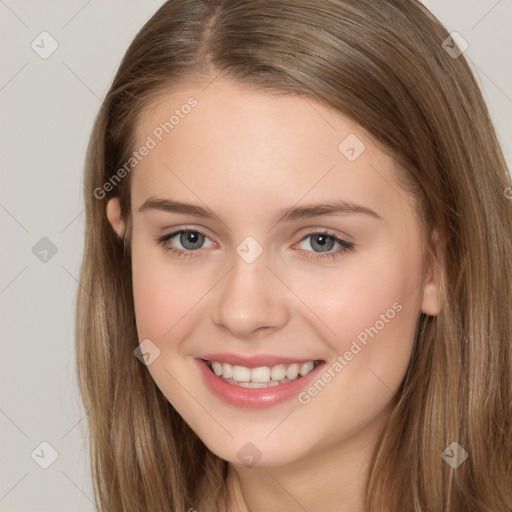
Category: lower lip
[255,398]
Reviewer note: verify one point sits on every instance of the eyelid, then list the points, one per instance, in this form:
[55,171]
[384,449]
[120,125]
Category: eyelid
[309,230]
[176,230]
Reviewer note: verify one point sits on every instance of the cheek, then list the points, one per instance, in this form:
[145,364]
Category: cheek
[161,297]
[164,301]
[154,301]
[373,310]
[368,310]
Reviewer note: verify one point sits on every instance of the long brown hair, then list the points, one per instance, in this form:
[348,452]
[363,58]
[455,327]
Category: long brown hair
[382,64]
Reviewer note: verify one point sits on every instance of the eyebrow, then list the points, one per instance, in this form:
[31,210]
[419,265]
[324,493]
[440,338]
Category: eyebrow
[287,214]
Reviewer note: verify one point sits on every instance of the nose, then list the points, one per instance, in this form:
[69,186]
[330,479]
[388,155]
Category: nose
[251,301]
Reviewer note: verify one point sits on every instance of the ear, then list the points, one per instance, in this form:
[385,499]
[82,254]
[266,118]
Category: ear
[114,216]
[432,287]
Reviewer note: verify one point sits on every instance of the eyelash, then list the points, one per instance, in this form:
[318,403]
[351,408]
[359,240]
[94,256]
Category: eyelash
[345,245]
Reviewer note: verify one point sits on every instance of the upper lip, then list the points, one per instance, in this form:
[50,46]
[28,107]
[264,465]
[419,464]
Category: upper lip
[256,360]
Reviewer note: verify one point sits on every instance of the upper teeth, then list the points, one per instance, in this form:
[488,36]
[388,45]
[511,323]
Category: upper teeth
[261,374]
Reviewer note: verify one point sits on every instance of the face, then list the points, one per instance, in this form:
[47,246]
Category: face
[264,278]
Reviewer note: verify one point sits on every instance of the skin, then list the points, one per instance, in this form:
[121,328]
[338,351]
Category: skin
[246,154]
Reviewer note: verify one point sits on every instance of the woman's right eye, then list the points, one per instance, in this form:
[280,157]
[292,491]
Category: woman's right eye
[189,239]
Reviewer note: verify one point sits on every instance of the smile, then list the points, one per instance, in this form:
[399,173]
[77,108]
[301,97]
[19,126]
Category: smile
[258,381]
[261,376]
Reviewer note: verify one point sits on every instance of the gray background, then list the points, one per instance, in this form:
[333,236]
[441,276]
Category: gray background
[48,106]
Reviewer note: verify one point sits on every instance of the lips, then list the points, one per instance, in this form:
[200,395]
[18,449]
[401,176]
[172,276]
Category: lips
[253,394]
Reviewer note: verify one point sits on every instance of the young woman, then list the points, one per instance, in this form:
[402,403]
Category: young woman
[297,278]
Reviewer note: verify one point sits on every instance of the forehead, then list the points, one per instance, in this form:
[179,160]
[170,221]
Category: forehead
[257,148]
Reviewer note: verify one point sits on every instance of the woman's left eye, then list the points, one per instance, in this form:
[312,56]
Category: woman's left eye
[327,241]
[191,240]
